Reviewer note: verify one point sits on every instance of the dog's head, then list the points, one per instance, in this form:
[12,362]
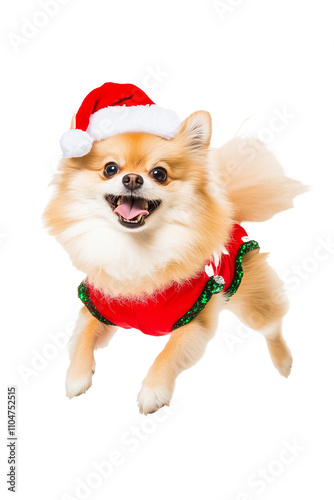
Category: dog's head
[137,202]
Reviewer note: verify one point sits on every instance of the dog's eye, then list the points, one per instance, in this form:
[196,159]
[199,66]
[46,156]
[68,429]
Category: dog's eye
[110,169]
[159,174]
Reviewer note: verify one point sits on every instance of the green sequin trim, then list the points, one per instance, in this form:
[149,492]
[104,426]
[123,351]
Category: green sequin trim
[215,284]
[239,272]
[83,294]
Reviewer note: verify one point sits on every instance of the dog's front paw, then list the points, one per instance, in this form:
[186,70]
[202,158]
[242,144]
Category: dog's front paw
[77,384]
[150,399]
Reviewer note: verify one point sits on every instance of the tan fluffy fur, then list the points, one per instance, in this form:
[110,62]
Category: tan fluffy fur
[254,180]
[207,190]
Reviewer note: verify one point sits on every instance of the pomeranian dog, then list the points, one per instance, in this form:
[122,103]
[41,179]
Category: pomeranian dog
[151,214]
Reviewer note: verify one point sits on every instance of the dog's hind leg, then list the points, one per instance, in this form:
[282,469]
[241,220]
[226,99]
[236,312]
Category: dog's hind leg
[260,303]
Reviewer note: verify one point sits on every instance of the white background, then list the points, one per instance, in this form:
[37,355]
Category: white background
[232,414]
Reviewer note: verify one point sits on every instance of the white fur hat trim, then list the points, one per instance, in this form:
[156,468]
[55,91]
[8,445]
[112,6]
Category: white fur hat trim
[114,120]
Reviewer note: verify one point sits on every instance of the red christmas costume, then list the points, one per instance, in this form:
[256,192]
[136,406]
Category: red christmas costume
[178,304]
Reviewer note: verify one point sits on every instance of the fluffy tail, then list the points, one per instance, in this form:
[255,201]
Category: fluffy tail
[254,180]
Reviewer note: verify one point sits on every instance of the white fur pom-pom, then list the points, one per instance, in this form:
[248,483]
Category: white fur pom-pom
[75,143]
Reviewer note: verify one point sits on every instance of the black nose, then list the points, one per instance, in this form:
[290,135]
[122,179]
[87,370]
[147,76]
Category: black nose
[132,181]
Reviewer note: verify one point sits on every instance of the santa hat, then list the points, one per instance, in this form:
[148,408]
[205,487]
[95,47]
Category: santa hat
[112,109]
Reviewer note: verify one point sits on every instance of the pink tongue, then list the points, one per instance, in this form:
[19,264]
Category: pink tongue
[131,207]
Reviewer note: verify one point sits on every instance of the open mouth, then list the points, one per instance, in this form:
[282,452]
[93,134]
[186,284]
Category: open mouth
[132,211]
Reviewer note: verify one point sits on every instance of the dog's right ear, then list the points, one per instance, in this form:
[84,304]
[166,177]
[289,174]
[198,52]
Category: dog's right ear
[73,121]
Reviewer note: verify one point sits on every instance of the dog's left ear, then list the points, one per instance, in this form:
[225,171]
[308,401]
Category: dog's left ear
[195,131]
[73,121]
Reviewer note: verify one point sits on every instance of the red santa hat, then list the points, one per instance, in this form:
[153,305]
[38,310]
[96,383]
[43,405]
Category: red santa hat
[116,108]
